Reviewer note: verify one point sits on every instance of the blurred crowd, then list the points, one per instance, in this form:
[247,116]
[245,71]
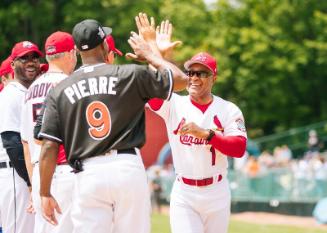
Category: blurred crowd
[313,164]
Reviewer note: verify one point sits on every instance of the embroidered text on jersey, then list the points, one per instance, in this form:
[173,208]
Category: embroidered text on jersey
[91,86]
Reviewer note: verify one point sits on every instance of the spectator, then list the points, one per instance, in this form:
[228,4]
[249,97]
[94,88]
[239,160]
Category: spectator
[313,142]
[156,188]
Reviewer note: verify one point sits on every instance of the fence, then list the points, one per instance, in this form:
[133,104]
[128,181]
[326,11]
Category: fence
[276,185]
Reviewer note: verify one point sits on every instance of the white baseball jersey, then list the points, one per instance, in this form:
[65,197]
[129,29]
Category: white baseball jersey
[14,195]
[194,157]
[32,106]
[12,98]
[3,154]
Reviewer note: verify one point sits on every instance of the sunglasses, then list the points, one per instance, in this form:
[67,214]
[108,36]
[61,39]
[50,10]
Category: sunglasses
[24,59]
[199,74]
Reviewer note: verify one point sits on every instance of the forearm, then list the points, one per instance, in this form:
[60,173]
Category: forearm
[180,79]
[28,162]
[48,159]
[14,148]
[233,146]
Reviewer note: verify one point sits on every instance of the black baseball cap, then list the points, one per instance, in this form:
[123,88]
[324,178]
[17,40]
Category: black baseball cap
[89,33]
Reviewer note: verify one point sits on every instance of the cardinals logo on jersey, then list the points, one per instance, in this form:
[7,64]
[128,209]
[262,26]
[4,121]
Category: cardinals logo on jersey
[189,139]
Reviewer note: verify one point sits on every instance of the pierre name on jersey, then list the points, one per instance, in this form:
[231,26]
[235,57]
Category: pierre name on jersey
[91,86]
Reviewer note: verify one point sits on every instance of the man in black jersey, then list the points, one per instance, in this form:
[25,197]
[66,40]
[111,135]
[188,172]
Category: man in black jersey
[98,114]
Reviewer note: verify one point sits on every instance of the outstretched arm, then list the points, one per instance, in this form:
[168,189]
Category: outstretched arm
[145,48]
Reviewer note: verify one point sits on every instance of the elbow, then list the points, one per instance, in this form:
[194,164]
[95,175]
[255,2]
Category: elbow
[241,148]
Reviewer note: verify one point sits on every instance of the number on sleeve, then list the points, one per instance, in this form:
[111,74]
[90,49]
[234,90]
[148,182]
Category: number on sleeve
[99,120]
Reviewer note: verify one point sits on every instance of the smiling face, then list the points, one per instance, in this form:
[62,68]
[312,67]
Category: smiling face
[200,83]
[27,68]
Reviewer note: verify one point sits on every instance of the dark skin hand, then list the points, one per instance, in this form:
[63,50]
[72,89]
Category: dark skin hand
[48,161]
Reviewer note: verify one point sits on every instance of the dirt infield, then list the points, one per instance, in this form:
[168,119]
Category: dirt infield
[277,219]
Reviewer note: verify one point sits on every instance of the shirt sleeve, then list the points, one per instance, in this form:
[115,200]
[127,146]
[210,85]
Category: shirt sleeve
[235,125]
[38,124]
[24,123]
[153,84]
[50,126]
[161,107]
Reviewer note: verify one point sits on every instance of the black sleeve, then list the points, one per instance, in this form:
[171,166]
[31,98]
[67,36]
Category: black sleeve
[12,143]
[50,124]
[38,125]
[153,84]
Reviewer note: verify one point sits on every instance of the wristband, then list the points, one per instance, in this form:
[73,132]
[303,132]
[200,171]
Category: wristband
[211,134]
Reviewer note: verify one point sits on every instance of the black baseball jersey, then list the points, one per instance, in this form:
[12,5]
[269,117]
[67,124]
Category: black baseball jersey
[101,107]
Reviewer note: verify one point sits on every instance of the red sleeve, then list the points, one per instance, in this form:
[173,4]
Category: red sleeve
[155,103]
[233,146]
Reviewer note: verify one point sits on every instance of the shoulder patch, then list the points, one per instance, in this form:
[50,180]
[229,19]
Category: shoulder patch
[240,124]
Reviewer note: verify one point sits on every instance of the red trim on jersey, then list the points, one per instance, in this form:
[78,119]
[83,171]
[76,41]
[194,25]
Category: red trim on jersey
[155,103]
[233,146]
[61,155]
[202,107]
[218,124]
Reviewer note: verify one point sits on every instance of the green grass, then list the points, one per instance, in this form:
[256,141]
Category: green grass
[160,224]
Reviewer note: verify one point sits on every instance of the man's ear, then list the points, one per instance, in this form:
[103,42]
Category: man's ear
[111,57]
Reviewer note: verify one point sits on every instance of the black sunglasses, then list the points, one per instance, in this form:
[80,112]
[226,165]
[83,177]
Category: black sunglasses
[199,74]
[34,58]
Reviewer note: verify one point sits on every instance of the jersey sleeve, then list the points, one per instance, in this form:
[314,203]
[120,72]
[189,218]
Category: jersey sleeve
[162,107]
[235,125]
[50,126]
[24,123]
[153,84]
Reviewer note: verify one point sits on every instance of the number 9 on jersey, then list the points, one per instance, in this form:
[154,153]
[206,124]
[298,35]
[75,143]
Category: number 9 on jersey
[98,119]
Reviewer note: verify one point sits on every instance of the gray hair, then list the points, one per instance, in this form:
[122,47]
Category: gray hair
[50,58]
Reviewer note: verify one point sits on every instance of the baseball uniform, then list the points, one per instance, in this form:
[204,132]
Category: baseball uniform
[15,193]
[62,183]
[98,114]
[200,198]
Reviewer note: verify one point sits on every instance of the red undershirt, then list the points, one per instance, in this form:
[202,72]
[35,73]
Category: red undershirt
[61,159]
[233,146]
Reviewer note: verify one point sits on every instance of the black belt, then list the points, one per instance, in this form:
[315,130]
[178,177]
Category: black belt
[5,164]
[78,164]
[126,151]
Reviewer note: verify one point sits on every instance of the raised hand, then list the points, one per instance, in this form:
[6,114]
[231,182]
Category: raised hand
[140,47]
[146,29]
[163,38]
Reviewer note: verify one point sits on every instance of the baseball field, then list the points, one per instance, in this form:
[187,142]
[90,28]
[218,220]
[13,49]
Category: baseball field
[160,224]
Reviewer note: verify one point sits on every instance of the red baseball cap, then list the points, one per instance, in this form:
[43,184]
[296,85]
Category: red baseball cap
[204,59]
[111,44]
[5,67]
[44,67]
[59,42]
[22,48]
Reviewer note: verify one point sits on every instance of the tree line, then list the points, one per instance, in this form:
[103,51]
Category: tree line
[271,54]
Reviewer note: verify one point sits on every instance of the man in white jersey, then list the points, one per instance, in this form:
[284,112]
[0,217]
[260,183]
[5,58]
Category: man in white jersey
[25,63]
[203,130]
[5,166]
[61,56]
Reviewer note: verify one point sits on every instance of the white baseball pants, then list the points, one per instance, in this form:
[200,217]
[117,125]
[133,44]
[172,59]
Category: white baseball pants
[62,187]
[200,209]
[14,199]
[112,195]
